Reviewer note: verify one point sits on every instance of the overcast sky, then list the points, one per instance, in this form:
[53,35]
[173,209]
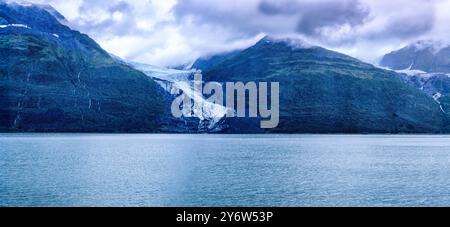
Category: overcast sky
[171,32]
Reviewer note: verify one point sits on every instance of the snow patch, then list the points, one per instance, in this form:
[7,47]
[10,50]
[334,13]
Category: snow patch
[20,3]
[15,25]
[408,71]
[411,72]
[436,98]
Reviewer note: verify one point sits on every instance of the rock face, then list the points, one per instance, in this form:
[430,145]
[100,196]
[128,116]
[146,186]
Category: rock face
[322,91]
[428,56]
[54,79]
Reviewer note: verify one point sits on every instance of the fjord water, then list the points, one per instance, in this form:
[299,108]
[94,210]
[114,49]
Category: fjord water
[224,170]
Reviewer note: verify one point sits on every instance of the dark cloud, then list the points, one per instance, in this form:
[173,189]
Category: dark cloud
[320,19]
[309,16]
[104,21]
[121,6]
[403,26]
[219,14]
[316,15]
[183,28]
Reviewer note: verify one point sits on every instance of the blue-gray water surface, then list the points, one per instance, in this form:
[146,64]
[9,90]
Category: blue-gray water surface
[224,170]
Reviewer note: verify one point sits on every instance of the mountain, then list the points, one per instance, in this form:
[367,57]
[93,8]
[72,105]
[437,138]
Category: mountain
[425,65]
[322,91]
[428,56]
[55,79]
[207,62]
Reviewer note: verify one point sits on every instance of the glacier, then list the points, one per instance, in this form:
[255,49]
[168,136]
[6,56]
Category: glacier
[209,114]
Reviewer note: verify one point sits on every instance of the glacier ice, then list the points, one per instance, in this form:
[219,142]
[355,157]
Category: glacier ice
[208,113]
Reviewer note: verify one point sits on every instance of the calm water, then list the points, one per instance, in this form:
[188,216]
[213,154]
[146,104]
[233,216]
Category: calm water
[223,170]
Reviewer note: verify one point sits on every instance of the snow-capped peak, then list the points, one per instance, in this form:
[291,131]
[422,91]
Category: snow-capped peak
[52,11]
[20,3]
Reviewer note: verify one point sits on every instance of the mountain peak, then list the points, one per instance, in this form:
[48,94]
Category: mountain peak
[295,43]
[434,46]
[25,8]
[58,79]
[426,55]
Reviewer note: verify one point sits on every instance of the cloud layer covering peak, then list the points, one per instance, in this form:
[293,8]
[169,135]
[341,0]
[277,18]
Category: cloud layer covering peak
[172,32]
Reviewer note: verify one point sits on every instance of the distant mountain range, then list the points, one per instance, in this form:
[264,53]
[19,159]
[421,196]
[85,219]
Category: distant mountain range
[55,79]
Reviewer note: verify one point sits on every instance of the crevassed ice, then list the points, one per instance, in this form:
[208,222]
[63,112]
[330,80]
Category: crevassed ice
[170,79]
[202,109]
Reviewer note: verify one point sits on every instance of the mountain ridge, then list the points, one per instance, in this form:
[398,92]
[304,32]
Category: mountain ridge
[334,93]
[425,55]
[55,79]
